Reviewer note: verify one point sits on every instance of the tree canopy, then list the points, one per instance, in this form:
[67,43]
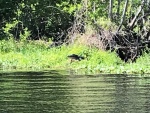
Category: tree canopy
[52,18]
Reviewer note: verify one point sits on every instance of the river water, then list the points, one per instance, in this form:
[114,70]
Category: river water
[53,92]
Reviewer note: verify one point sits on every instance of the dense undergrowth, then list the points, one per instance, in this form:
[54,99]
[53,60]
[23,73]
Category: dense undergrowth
[35,55]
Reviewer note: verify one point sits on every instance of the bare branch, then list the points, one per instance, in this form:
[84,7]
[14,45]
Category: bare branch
[131,24]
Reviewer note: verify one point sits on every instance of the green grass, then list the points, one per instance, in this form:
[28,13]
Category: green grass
[35,55]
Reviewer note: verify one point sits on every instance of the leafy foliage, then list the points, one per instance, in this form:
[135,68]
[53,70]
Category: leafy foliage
[42,18]
[52,18]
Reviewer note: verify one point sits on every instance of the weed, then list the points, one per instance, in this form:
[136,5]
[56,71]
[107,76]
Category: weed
[35,55]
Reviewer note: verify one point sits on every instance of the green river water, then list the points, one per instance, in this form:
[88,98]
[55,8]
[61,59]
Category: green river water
[53,92]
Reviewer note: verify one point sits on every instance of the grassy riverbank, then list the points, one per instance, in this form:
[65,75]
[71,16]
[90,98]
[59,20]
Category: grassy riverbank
[35,55]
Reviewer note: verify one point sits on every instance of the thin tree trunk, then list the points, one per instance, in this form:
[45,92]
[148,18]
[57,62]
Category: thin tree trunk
[110,9]
[123,15]
[86,8]
[94,9]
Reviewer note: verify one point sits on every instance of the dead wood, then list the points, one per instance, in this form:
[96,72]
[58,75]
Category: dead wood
[132,23]
[128,44]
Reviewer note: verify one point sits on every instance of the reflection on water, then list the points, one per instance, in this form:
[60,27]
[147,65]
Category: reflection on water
[51,92]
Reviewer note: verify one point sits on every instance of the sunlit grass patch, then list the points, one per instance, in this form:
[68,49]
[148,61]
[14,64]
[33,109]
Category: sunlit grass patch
[37,56]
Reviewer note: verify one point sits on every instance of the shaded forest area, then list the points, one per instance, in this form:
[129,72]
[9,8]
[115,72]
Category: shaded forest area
[117,25]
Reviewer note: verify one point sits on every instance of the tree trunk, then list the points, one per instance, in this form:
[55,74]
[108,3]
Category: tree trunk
[123,15]
[110,9]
